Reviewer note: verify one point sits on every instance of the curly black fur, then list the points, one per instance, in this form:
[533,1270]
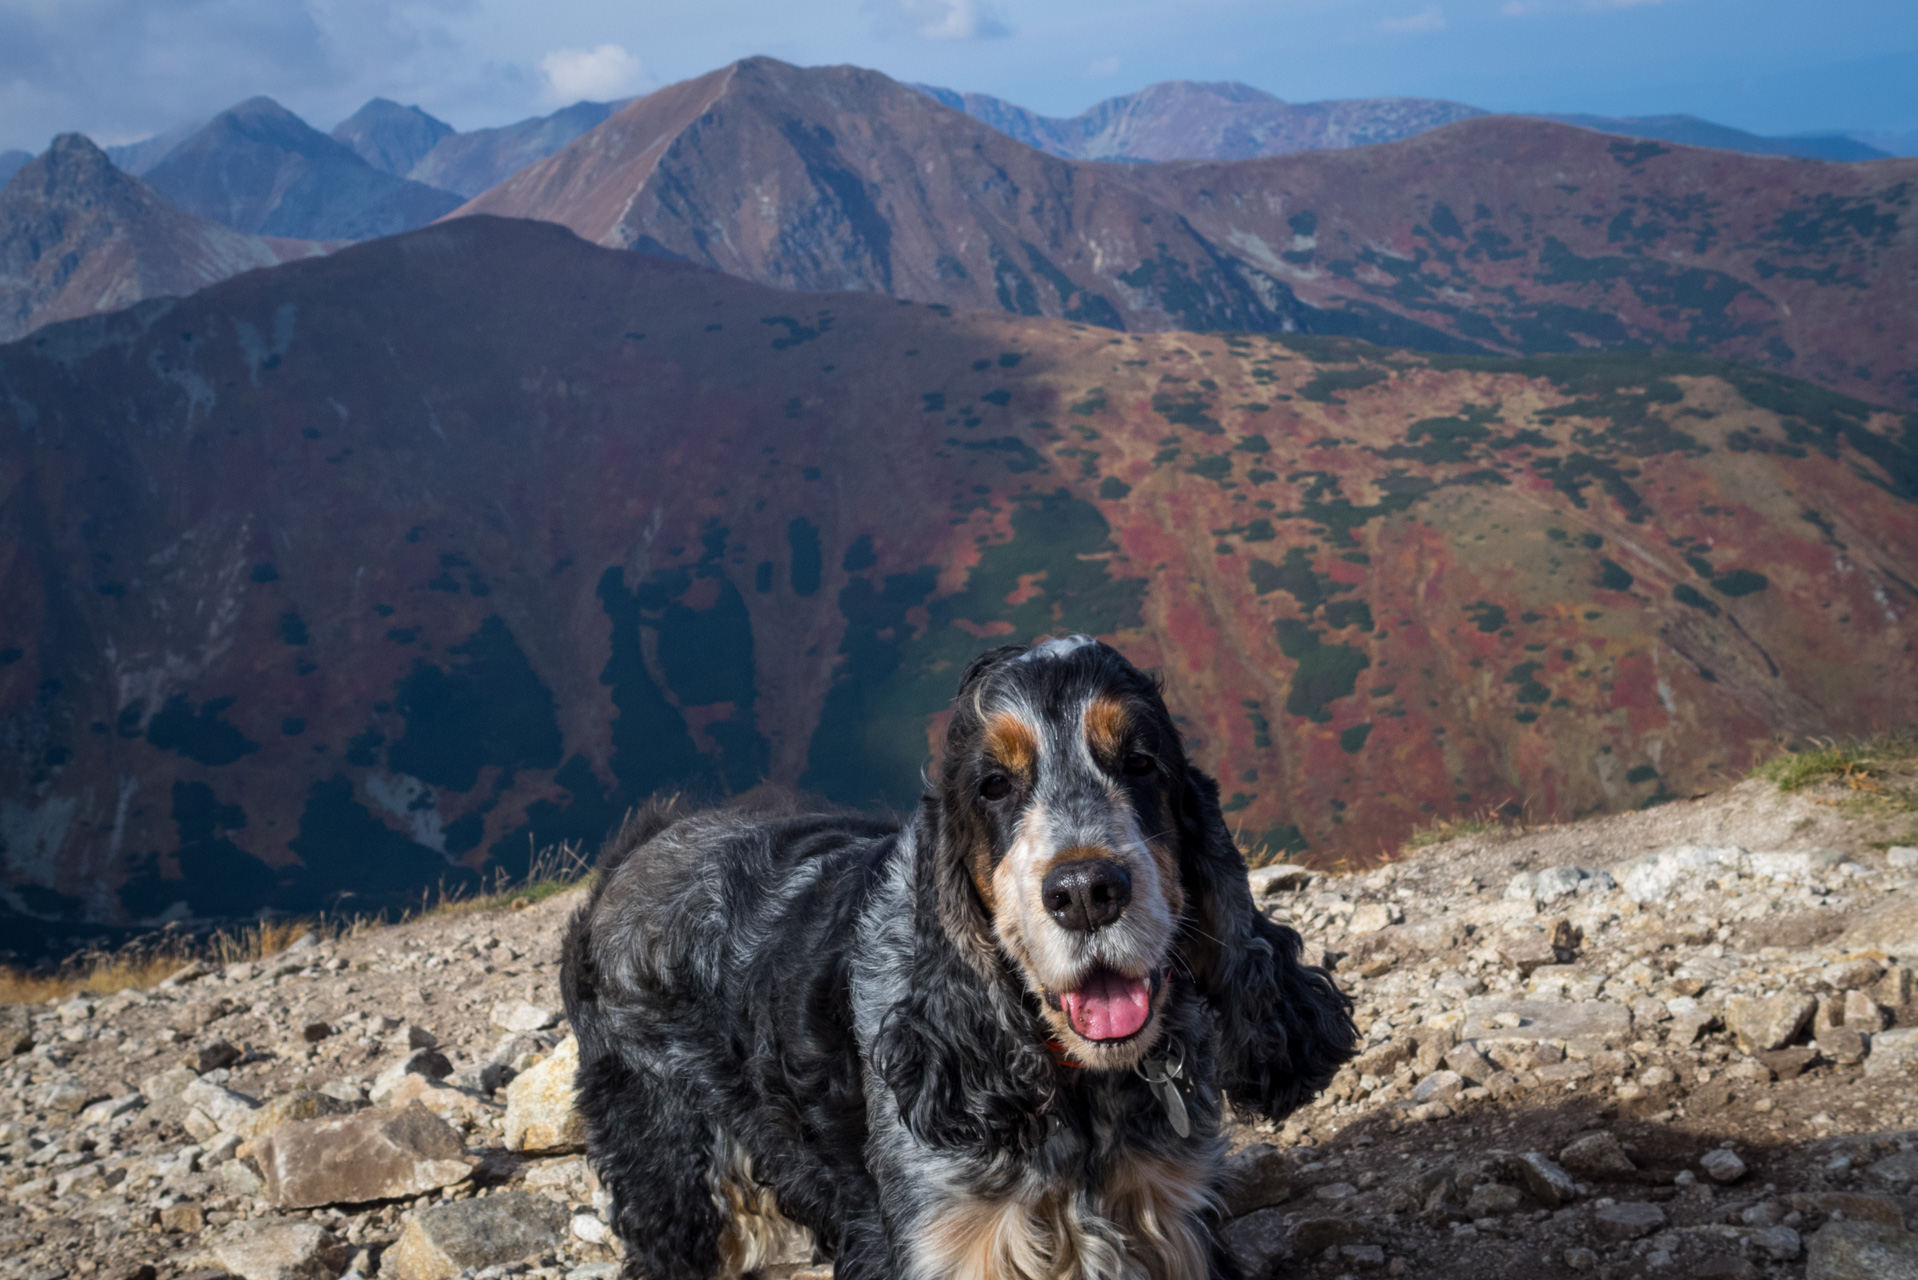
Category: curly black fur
[815,1005]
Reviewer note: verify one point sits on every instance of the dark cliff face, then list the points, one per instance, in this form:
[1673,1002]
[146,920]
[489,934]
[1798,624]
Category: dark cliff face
[1493,235]
[259,168]
[347,579]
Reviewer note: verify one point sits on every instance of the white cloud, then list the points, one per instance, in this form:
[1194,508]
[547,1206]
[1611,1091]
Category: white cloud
[599,74]
[1430,18]
[1104,67]
[936,19]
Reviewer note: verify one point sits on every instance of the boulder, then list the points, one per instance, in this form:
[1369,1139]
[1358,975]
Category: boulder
[301,1104]
[1281,877]
[1586,1025]
[1761,1024]
[1893,1053]
[1491,1199]
[372,1155]
[440,1242]
[540,1116]
[1862,1251]
[276,1249]
[163,1085]
[213,1111]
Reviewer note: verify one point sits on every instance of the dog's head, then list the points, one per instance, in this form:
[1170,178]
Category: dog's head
[1060,784]
[1085,848]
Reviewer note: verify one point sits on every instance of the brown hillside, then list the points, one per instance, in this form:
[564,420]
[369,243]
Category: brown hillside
[1499,234]
[338,580]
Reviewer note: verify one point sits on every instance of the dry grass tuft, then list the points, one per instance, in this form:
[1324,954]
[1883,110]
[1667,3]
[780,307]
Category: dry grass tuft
[149,960]
[1471,824]
[552,870]
[1870,776]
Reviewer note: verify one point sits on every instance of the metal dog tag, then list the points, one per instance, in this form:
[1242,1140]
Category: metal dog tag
[1164,1078]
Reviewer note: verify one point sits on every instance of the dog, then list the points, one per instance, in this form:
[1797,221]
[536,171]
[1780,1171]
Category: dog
[992,1041]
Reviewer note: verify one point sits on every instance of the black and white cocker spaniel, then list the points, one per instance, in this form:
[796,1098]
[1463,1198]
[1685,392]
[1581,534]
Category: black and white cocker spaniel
[989,1043]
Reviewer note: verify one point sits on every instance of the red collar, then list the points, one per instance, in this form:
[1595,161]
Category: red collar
[1060,1054]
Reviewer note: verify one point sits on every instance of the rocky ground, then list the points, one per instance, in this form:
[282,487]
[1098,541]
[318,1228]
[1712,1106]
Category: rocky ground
[1677,1043]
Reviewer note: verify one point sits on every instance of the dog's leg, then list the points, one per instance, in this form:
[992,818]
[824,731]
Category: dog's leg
[653,1152]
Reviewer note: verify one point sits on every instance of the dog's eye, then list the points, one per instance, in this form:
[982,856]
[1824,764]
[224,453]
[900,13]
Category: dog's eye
[995,786]
[1137,764]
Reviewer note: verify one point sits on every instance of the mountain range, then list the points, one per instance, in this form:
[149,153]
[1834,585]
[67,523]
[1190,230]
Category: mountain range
[1197,120]
[338,580]
[1497,234]
[78,236]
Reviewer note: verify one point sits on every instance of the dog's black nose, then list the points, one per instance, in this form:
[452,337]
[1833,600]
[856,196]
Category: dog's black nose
[1087,893]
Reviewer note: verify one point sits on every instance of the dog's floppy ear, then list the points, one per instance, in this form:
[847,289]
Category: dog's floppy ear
[948,1053]
[1284,1028]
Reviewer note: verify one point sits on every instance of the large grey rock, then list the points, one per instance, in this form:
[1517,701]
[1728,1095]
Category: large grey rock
[1763,1023]
[440,1242]
[540,1115]
[300,1104]
[1587,1025]
[518,1015]
[1722,1165]
[1597,1155]
[275,1249]
[374,1155]
[1627,1220]
[1279,878]
[1491,1199]
[1257,1242]
[165,1085]
[1862,1251]
[1893,1053]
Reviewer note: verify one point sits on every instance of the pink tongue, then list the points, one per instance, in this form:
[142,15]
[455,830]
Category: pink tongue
[1108,1006]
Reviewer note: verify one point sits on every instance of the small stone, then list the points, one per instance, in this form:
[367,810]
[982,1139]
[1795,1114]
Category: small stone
[371,1155]
[1627,1220]
[1550,1185]
[1528,950]
[589,1228]
[540,1115]
[1862,1012]
[300,1104]
[212,1111]
[1722,1165]
[430,1063]
[1440,1086]
[1902,855]
[1780,1244]
[1893,1053]
[1862,1251]
[1771,1022]
[1255,1177]
[182,1219]
[65,1097]
[1901,1166]
[1853,975]
[440,1242]
[1789,1064]
[1580,1260]
[1363,1256]
[1557,882]
[518,1015]
[280,1249]
[1491,1199]
[16,1030]
[213,1056]
[1257,1242]
[418,1037]
[1469,1063]
[166,1084]
[1597,1155]
[1372,917]
[314,1032]
[101,1112]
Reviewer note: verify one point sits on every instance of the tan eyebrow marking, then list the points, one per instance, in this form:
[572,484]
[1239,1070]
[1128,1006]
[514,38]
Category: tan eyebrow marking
[1012,742]
[1105,726]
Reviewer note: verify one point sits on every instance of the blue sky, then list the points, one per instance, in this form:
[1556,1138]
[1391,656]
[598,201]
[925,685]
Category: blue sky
[121,69]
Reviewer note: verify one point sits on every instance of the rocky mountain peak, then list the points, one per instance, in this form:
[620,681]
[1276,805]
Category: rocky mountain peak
[391,137]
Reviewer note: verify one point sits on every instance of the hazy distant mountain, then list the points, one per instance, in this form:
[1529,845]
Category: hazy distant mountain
[1894,143]
[358,575]
[11,162]
[469,163]
[1497,234]
[259,168]
[138,157]
[78,236]
[1192,120]
[390,137]
[1694,132]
